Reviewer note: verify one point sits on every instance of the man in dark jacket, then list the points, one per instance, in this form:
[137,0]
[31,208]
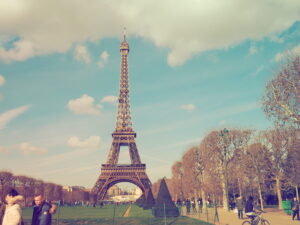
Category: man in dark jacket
[249,208]
[41,212]
[295,208]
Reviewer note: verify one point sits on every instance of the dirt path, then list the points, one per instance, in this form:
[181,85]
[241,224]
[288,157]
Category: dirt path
[127,211]
[274,216]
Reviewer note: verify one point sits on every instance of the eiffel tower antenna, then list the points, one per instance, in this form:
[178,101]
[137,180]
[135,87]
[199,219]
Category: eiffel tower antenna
[124,33]
[123,135]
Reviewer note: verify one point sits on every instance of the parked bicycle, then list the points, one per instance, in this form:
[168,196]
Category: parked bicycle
[256,219]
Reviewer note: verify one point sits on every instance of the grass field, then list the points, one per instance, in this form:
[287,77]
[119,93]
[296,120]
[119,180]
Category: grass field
[105,216]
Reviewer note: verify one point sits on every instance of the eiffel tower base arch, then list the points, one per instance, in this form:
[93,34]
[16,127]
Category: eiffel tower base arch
[113,174]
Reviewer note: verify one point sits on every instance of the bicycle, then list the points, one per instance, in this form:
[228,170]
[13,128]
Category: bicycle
[256,219]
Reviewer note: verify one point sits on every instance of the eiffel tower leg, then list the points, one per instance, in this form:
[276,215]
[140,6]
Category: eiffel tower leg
[113,155]
[134,155]
[99,190]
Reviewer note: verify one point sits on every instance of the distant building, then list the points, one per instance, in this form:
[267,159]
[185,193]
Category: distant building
[114,191]
[72,194]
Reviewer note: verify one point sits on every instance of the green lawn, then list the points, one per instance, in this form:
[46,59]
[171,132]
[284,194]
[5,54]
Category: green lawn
[104,216]
[79,212]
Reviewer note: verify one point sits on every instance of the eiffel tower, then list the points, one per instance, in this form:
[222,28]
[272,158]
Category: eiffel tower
[112,172]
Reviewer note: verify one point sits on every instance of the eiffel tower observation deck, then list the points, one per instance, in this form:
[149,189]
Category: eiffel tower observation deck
[112,172]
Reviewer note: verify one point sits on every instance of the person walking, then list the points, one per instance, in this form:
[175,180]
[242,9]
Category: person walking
[200,204]
[249,210]
[188,206]
[13,211]
[240,206]
[194,205]
[295,208]
[42,211]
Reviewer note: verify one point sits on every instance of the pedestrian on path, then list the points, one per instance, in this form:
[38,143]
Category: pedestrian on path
[188,206]
[200,204]
[194,205]
[240,206]
[295,208]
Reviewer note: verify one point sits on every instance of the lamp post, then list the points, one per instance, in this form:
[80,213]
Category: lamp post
[223,133]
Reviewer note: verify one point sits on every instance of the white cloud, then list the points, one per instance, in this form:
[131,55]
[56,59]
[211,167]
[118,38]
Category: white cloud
[258,70]
[44,27]
[253,50]
[188,107]
[110,99]
[81,53]
[2,80]
[22,50]
[28,149]
[277,39]
[91,142]
[103,58]
[289,53]
[213,58]
[7,116]
[84,106]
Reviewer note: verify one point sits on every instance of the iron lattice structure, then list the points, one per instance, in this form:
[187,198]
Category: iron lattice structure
[112,172]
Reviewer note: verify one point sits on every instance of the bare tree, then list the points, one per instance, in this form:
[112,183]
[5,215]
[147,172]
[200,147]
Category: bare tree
[259,164]
[177,177]
[57,192]
[25,184]
[49,191]
[220,149]
[292,167]
[278,142]
[237,170]
[5,181]
[38,187]
[190,183]
[282,95]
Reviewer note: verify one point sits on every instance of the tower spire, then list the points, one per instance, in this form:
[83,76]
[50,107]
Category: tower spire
[124,34]
[123,123]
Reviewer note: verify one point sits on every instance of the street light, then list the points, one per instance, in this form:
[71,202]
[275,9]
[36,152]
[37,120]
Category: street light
[223,133]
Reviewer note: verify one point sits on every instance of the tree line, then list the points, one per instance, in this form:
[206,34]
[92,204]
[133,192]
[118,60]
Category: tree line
[30,187]
[244,162]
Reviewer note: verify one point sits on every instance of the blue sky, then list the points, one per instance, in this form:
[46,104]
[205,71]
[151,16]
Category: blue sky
[59,78]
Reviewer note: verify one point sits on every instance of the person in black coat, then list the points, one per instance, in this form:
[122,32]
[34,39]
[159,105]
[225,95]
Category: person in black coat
[295,208]
[42,211]
[249,208]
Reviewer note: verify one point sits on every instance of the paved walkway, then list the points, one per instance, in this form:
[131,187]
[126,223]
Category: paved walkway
[127,211]
[274,216]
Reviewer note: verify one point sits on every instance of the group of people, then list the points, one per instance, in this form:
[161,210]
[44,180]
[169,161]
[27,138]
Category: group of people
[11,211]
[249,207]
[191,204]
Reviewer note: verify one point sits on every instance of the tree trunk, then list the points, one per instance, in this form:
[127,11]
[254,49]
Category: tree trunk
[240,188]
[260,197]
[297,192]
[278,190]
[203,197]
[224,190]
